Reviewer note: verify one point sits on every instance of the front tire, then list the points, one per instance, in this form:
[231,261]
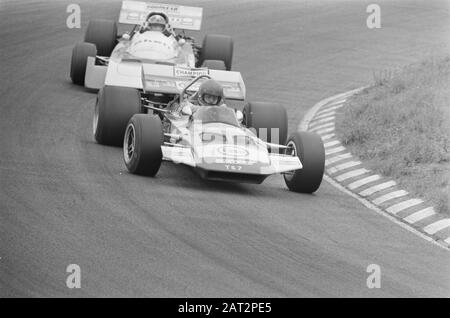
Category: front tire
[264,117]
[114,108]
[80,54]
[142,144]
[309,149]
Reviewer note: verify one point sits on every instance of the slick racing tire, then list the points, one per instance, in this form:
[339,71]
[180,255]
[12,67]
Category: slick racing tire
[217,47]
[269,120]
[309,149]
[102,33]
[80,53]
[215,65]
[114,108]
[142,144]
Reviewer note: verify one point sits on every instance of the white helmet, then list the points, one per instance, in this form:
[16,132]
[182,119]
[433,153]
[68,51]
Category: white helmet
[156,22]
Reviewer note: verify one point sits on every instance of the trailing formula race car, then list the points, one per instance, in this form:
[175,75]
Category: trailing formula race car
[222,143]
[158,36]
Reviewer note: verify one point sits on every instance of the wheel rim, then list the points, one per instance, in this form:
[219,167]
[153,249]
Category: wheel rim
[95,119]
[129,143]
[291,150]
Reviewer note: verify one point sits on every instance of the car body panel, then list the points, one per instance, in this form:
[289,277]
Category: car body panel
[229,153]
[95,74]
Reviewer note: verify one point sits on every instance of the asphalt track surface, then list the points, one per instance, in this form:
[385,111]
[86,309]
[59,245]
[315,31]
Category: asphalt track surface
[65,199]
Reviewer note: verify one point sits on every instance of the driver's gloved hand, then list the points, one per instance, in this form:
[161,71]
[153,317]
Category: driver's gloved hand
[187,110]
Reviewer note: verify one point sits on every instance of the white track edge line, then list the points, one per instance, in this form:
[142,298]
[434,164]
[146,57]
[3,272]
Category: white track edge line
[303,126]
[394,219]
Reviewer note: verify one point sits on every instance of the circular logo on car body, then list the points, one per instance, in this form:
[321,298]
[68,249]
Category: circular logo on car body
[233,151]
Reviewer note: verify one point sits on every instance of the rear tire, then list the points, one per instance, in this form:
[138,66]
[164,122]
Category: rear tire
[114,108]
[215,65]
[217,47]
[142,144]
[265,117]
[309,148]
[102,33]
[80,53]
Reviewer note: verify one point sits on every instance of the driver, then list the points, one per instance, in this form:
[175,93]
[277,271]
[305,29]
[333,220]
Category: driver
[210,93]
[155,22]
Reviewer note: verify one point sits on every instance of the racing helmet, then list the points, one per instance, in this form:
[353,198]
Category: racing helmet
[210,93]
[157,22]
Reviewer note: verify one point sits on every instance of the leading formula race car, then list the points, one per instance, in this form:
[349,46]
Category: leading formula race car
[103,53]
[218,143]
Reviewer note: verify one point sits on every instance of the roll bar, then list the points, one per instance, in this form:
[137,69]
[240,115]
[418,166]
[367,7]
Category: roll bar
[190,84]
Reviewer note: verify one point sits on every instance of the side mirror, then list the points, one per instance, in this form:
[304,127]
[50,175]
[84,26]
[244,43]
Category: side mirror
[239,116]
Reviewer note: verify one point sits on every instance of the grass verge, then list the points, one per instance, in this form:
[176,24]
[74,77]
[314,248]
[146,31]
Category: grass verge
[400,127]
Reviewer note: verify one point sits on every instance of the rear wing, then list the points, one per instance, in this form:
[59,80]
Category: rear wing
[170,79]
[173,79]
[180,17]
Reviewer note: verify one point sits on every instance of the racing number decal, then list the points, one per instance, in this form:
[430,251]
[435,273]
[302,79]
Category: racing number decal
[233,167]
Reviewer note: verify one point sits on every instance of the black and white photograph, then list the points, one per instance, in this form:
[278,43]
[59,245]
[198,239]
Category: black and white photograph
[224,155]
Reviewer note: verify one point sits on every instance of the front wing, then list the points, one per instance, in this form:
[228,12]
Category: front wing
[228,169]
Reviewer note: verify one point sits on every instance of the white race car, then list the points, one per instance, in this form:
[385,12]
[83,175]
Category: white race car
[219,144]
[103,52]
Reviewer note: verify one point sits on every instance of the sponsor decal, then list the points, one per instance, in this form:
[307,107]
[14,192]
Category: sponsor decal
[233,151]
[180,71]
[166,8]
[159,83]
[187,21]
[135,16]
[231,87]
[235,161]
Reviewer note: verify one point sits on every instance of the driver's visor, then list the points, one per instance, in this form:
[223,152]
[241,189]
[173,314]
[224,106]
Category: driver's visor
[211,99]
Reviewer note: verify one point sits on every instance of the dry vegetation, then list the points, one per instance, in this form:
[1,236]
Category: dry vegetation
[401,127]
